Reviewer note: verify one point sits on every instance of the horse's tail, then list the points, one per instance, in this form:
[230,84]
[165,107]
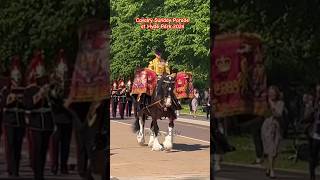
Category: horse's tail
[136,125]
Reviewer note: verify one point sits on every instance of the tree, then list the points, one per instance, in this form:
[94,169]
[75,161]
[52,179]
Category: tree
[50,25]
[186,50]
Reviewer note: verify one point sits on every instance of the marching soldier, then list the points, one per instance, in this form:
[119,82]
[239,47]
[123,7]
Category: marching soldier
[38,114]
[122,98]
[129,99]
[35,66]
[3,90]
[14,122]
[159,65]
[115,100]
[61,138]
[4,84]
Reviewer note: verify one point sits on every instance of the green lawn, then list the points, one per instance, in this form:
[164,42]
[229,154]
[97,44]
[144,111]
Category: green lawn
[245,154]
[186,110]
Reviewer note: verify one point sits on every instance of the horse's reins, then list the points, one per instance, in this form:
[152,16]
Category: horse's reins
[157,102]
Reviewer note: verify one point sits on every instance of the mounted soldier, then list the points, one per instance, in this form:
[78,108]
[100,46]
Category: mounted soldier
[115,99]
[38,113]
[122,98]
[153,93]
[14,121]
[61,138]
[159,65]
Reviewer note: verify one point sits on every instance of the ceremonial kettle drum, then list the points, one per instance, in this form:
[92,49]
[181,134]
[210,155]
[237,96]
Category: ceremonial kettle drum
[183,88]
[238,75]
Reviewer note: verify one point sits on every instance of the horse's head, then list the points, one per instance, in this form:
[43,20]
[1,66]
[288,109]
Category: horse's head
[165,89]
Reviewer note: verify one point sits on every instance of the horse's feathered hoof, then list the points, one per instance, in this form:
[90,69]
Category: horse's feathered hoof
[168,143]
[156,145]
[140,139]
[157,148]
[141,143]
[151,140]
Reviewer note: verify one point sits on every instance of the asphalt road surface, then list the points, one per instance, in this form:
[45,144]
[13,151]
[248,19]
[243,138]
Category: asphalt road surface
[25,169]
[199,132]
[189,158]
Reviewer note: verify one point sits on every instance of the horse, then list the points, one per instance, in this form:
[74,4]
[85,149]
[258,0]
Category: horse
[65,118]
[90,134]
[163,103]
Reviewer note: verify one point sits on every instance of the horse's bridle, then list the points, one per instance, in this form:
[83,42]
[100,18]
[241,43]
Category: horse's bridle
[155,103]
[159,102]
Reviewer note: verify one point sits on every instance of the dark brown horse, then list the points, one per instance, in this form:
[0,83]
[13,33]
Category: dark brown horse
[162,104]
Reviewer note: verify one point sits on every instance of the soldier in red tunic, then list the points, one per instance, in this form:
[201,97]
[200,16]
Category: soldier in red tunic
[14,122]
[122,98]
[35,66]
[4,86]
[38,114]
[61,138]
[129,98]
[115,99]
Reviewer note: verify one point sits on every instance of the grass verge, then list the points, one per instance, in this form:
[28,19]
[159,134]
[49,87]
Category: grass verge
[245,154]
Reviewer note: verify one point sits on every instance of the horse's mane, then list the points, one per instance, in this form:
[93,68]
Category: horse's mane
[159,92]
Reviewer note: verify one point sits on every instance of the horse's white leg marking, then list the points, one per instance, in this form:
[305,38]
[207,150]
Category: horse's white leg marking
[140,134]
[151,140]
[156,145]
[168,141]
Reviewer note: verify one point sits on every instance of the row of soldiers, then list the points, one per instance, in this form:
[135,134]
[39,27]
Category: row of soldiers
[34,108]
[121,98]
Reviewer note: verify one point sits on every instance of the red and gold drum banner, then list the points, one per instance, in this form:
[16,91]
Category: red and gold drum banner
[238,75]
[90,80]
[145,81]
[183,85]
[152,79]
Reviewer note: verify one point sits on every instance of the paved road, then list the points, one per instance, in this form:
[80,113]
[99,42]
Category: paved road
[181,128]
[25,170]
[189,159]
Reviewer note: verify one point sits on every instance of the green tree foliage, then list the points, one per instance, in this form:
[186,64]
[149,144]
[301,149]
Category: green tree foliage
[50,25]
[290,31]
[186,50]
